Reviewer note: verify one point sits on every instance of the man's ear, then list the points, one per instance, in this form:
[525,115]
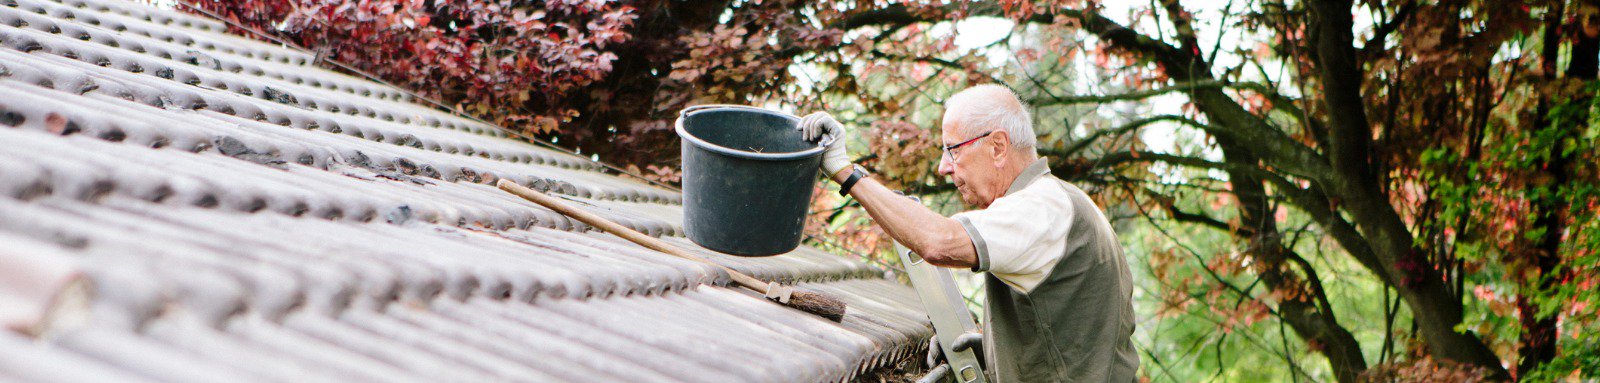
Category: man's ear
[1000,147]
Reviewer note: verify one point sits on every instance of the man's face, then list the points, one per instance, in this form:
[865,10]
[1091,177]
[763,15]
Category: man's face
[971,167]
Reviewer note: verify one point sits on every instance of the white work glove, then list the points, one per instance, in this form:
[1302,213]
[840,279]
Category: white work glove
[813,127]
[969,340]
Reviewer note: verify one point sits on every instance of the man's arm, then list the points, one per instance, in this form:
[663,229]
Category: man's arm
[939,240]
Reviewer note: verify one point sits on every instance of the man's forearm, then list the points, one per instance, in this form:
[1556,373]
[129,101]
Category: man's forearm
[939,240]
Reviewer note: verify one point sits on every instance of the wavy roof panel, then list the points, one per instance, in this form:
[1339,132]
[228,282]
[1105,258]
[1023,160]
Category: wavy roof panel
[182,204]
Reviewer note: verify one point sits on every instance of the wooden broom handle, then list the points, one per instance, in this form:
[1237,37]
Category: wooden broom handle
[617,229]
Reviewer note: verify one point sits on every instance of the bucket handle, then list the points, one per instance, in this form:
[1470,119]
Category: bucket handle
[825,141]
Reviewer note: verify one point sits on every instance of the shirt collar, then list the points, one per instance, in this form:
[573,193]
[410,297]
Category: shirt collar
[1033,171]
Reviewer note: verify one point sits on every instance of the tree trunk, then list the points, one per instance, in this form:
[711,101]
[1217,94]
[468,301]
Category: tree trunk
[1435,309]
[1539,332]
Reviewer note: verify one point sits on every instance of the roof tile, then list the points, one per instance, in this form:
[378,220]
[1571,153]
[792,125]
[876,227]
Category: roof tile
[244,215]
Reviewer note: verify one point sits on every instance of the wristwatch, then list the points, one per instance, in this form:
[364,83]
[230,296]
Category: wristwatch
[856,174]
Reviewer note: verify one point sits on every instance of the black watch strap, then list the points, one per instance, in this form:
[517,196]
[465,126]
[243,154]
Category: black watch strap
[856,174]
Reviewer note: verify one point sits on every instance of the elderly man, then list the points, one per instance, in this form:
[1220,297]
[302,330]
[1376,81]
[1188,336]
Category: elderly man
[1059,295]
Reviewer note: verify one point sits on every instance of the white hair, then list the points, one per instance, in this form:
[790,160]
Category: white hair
[994,107]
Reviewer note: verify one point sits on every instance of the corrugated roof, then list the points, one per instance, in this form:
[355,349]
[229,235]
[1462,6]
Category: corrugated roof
[240,214]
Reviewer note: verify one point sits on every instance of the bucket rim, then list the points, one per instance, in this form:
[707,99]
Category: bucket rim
[703,144]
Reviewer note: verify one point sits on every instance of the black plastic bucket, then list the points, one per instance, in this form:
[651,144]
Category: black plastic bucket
[747,178]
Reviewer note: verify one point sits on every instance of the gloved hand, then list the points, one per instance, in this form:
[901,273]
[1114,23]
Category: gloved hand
[968,340]
[972,340]
[817,125]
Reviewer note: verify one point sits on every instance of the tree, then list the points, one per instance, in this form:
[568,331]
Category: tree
[589,72]
[1404,186]
[1383,143]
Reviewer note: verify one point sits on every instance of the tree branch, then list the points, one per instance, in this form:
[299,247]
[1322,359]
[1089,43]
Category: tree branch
[1129,96]
[1228,117]
[1182,23]
[929,60]
[1381,34]
[1084,142]
[1118,158]
[1308,319]
[1312,319]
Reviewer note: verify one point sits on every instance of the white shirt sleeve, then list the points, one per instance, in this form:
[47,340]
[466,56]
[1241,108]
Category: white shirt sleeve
[1020,237]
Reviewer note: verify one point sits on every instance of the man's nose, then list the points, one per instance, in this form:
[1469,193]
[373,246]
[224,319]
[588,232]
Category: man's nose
[945,167]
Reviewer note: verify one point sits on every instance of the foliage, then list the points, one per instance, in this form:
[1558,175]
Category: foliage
[606,75]
[1426,370]
[514,62]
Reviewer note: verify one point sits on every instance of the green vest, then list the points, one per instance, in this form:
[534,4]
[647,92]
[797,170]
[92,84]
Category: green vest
[1076,325]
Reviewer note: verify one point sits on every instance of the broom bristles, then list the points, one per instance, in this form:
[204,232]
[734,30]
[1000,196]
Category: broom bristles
[818,304]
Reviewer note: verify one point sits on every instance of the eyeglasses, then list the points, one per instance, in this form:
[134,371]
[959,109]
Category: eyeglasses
[950,150]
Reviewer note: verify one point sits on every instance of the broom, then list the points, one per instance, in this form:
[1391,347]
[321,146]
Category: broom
[812,302]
